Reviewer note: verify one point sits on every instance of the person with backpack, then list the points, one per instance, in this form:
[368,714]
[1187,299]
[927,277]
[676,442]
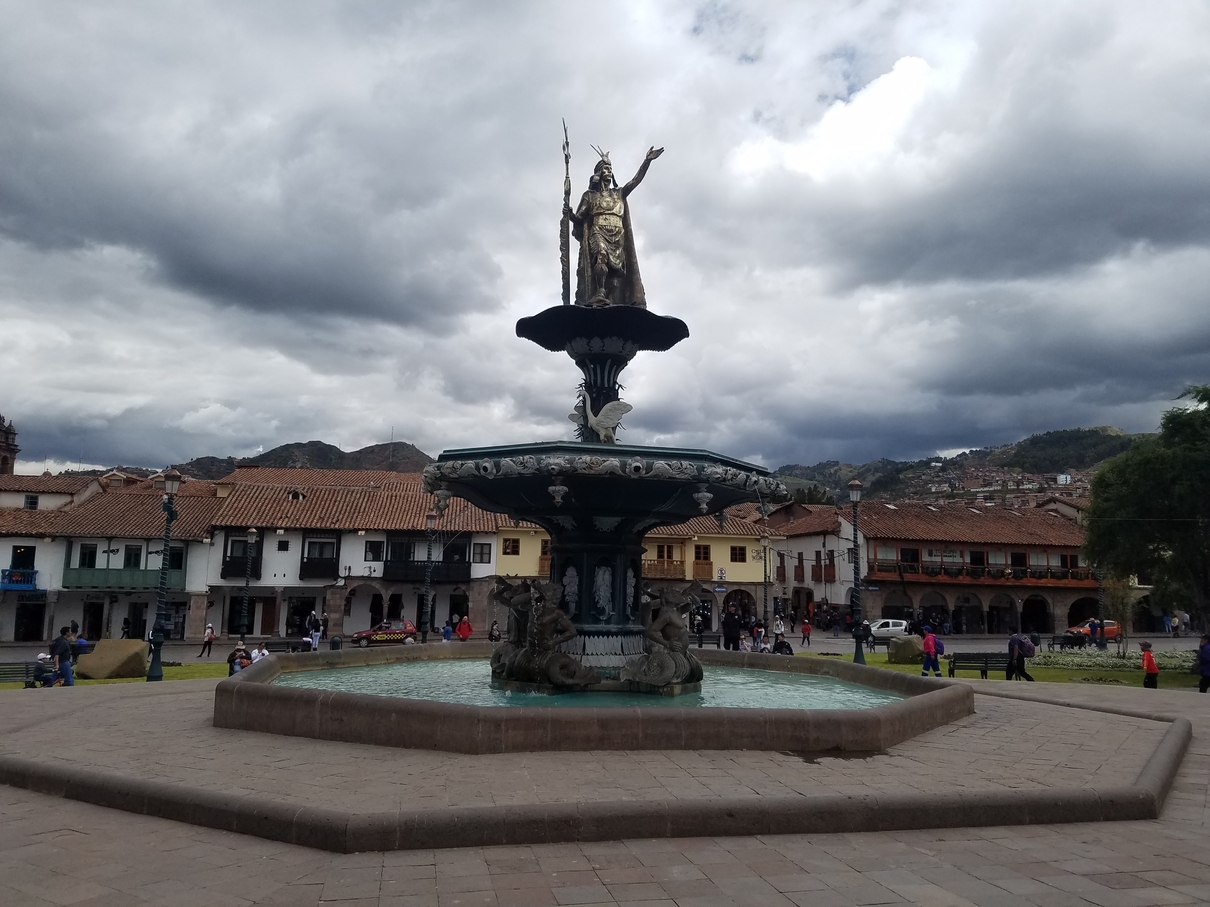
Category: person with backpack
[933,649]
[1019,648]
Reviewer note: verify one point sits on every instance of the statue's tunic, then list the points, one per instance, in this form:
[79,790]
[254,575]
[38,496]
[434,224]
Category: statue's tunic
[604,232]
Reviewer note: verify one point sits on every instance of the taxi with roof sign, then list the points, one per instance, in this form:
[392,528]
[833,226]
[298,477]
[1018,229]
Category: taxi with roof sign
[386,633]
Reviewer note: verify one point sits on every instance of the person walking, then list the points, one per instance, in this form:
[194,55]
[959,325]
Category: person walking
[1203,661]
[778,627]
[806,633]
[323,626]
[208,639]
[1167,625]
[1151,671]
[60,651]
[932,649]
[315,628]
[733,628]
[1019,648]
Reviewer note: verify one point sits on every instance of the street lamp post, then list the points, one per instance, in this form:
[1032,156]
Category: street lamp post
[155,671]
[764,544]
[243,608]
[426,624]
[859,643]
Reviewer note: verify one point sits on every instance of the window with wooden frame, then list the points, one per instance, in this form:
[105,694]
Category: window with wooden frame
[510,547]
[739,554]
[701,552]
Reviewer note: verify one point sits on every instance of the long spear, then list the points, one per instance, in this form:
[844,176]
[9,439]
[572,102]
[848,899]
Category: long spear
[565,225]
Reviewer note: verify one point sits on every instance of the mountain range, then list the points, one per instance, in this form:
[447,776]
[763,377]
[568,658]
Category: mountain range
[397,456]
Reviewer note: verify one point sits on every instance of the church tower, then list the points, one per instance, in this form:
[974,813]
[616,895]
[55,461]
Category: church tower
[8,447]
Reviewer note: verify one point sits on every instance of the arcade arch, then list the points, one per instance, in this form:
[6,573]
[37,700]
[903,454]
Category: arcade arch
[1002,614]
[1036,615]
[934,610]
[897,605]
[968,613]
[1081,609]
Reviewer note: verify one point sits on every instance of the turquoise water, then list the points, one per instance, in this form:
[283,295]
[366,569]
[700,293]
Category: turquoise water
[468,682]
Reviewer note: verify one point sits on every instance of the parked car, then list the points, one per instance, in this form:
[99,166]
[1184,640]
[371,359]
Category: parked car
[1111,628]
[387,632]
[886,630]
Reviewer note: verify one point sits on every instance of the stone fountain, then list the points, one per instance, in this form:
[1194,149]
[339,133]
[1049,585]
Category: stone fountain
[592,624]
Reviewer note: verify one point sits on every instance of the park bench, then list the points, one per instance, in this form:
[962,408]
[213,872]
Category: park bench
[1067,641]
[288,645]
[17,672]
[716,638]
[978,661]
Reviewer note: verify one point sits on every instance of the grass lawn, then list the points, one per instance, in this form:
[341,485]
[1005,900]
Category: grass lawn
[184,672]
[1168,679]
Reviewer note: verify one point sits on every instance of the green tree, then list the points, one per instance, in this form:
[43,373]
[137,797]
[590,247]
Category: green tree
[1150,511]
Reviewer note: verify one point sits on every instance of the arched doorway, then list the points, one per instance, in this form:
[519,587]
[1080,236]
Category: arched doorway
[935,610]
[1002,614]
[1081,609]
[704,612]
[460,605]
[897,605]
[802,604]
[1035,615]
[968,613]
[744,603]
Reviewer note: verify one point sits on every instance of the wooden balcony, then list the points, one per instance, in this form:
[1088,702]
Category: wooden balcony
[703,570]
[319,568]
[234,567]
[544,565]
[413,571]
[664,569]
[939,570]
[823,573]
[800,573]
[100,578]
[780,576]
[19,580]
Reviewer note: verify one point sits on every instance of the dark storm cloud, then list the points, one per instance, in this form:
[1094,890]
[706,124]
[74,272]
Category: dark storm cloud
[892,227]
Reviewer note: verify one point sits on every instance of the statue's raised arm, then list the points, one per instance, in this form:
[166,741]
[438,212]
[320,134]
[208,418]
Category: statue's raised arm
[652,154]
[607,272]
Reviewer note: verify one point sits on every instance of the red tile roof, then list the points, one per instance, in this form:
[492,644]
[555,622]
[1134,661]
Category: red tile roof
[30,523]
[1077,503]
[139,516]
[991,525]
[399,507]
[708,525]
[313,478]
[45,484]
[814,520]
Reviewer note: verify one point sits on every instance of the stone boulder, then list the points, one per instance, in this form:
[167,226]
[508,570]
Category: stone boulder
[114,658]
[906,650]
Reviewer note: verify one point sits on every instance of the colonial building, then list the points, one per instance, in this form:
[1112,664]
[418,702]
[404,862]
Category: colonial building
[975,570]
[8,448]
[813,567]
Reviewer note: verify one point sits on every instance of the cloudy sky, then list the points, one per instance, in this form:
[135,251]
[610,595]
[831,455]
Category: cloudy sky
[893,228]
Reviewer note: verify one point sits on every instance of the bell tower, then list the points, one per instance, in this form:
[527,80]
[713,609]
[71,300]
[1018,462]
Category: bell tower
[8,447]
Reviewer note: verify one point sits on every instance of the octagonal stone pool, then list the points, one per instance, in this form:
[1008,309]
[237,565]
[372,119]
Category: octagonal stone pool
[468,682]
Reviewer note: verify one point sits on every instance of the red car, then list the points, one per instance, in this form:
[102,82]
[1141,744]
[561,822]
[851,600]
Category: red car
[1110,628]
[389,631]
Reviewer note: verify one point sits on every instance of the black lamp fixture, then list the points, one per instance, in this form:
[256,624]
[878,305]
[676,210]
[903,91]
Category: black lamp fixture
[858,641]
[426,623]
[249,551]
[172,484]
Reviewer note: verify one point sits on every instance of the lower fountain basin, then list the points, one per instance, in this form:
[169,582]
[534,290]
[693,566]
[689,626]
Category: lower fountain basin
[467,682]
[253,701]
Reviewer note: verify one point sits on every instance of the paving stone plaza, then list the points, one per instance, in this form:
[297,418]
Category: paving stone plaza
[61,851]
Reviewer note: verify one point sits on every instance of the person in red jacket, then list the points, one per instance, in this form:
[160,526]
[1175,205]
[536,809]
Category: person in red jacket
[464,629]
[1151,671]
[930,653]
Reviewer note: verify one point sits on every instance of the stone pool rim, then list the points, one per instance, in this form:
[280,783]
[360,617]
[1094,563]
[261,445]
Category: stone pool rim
[251,701]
